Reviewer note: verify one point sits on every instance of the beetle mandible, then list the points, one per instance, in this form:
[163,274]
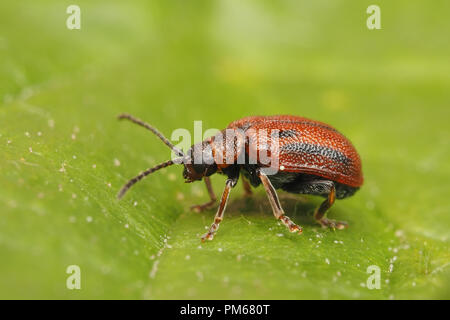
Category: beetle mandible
[312,158]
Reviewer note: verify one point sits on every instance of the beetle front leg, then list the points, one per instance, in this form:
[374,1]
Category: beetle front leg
[276,205]
[212,195]
[319,214]
[219,215]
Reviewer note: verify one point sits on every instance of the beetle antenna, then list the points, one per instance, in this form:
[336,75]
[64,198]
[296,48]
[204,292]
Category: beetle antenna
[152,129]
[145,173]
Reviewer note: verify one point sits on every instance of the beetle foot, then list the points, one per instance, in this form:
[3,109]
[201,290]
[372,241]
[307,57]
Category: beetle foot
[329,223]
[207,236]
[212,230]
[290,225]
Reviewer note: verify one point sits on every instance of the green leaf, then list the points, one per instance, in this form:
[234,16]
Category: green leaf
[64,156]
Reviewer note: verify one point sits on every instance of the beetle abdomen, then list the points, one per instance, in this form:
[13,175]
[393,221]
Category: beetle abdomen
[302,185]
[305,146]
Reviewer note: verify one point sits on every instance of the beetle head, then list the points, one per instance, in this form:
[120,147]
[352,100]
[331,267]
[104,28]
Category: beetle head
[199,162]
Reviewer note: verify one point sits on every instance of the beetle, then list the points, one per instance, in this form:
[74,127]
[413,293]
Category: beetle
[311,158]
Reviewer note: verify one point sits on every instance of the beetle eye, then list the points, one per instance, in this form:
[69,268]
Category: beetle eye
[185,173]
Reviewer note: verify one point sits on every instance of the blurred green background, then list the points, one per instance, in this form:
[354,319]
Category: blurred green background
[63,155]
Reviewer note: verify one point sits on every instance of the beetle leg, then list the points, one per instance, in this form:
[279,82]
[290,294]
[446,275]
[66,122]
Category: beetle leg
[219,215]
[276,205]
[247,188]
[319,214]
[212,196]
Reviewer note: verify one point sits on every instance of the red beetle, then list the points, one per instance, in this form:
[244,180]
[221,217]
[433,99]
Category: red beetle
[311,158]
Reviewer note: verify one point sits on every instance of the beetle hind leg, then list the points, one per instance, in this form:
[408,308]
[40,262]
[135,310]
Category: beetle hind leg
[319,187]
[319,214]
